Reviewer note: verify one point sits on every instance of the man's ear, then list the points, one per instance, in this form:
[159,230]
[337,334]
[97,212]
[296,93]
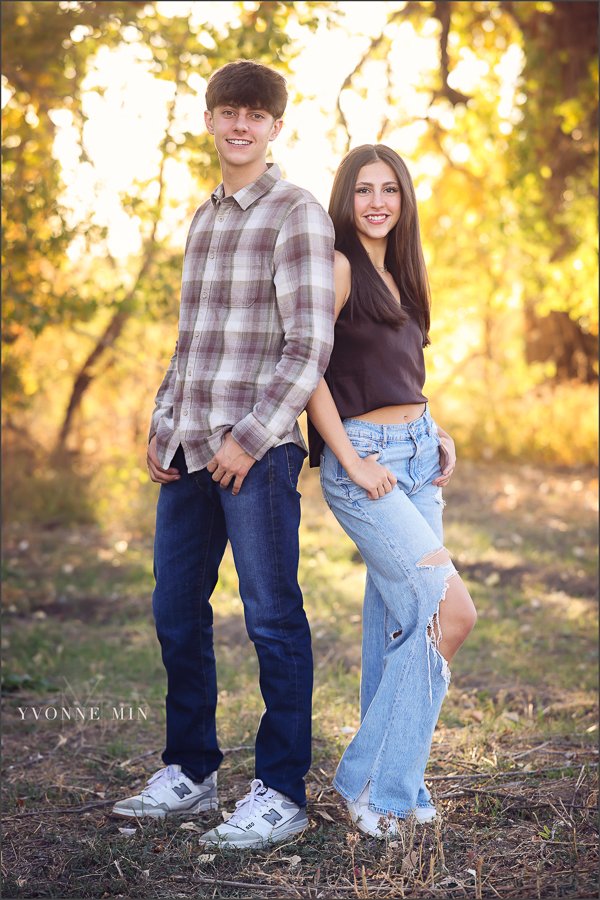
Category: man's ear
[277,126]
[209,121]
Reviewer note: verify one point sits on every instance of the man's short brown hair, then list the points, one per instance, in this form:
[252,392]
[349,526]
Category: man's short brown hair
[246,82]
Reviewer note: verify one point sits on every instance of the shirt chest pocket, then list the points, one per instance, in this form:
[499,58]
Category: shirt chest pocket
[245,285]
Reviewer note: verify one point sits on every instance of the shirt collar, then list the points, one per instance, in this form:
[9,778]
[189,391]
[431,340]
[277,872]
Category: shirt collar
[251,192]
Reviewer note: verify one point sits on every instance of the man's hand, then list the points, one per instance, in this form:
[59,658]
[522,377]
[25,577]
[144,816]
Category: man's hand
[231,461]
[157,473]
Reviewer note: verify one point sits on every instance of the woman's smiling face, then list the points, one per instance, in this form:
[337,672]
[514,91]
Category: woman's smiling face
[377,200]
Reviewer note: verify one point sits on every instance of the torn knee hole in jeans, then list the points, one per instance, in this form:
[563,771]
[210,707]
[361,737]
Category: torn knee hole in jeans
[440,558]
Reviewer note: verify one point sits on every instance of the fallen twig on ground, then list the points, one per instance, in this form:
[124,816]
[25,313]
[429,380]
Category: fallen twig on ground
[61,812]
[516,773]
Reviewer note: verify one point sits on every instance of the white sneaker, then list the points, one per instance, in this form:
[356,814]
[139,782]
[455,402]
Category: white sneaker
[424,814]
[263,817]
[170,791]
[377,824]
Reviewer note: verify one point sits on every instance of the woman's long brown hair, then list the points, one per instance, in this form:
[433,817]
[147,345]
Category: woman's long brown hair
[404,254]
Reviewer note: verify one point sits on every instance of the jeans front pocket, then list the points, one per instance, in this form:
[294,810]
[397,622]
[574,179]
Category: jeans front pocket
[442,453]
[363,448]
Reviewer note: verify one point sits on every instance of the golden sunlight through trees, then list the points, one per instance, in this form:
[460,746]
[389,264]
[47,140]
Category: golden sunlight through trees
[106,156]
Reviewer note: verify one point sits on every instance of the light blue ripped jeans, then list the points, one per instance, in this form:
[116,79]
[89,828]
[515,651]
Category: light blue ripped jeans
[404,677]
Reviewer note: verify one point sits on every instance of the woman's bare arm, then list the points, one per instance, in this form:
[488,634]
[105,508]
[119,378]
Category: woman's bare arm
[367,473]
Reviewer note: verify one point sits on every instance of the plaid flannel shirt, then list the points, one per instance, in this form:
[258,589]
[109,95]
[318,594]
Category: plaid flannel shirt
[256,322]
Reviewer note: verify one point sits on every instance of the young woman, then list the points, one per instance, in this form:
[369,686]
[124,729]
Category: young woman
[383,465]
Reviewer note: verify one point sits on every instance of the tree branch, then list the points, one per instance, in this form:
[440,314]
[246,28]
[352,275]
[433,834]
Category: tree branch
[437,132]
[410,7]
[388,98]
[443,13]
[120,317]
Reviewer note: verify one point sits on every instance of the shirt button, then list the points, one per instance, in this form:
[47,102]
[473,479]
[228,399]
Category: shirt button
[221,218]
[185,412]
[196,334]
[189,371]
[211,255]
[204,295]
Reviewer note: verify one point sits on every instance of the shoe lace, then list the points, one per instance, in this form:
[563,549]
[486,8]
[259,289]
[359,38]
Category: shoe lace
[246,806]
[169,774]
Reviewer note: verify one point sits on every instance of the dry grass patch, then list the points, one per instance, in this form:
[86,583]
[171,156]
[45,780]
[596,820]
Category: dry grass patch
[513,766]
[518,818]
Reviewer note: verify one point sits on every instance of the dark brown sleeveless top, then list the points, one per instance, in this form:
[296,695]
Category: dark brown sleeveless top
[372,365]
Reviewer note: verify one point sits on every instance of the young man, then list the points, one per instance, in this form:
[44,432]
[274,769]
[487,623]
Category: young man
[255,335]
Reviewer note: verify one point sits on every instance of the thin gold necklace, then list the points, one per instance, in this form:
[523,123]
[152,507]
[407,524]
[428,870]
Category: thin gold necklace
[379,268]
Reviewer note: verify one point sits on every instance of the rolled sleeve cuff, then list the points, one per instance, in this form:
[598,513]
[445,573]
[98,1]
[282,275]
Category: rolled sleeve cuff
[153,427]
[155,421]
[253,437]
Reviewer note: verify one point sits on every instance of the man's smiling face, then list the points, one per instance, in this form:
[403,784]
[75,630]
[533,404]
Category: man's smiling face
[241,134]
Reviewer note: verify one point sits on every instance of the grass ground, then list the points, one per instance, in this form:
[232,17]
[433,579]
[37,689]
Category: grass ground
[513,766]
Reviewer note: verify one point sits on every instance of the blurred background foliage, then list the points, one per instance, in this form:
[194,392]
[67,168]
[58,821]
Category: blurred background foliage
[508,210]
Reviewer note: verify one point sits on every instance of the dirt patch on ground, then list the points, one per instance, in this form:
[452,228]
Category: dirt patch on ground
[518,821]
[513,769]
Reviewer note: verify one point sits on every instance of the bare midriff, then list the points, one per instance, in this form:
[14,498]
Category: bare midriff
[394,415]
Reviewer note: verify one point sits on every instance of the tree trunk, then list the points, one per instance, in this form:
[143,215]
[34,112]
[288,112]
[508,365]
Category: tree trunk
[557,338]
[570,38]
[86,374]
[116,324]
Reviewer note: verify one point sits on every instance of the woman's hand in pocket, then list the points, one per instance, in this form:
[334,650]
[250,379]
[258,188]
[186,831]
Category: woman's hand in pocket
[376,479]
[447,459]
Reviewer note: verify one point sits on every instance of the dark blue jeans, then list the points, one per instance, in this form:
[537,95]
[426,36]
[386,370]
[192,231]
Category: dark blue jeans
[195,518]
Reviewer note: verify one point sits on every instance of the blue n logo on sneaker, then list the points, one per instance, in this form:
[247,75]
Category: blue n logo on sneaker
[272,817]
[181,790]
